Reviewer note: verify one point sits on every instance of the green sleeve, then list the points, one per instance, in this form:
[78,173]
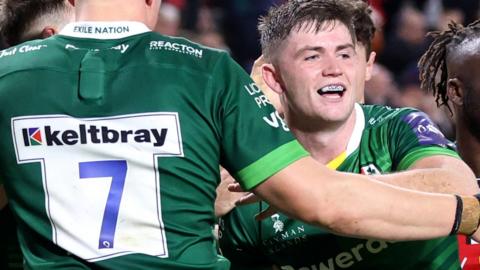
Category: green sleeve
[421,152]
[255,141]
[413,136]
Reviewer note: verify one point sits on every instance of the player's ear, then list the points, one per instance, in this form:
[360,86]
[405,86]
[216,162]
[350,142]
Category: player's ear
[369,69]
[272,78]
[151,2]
[455,91]
[48,32]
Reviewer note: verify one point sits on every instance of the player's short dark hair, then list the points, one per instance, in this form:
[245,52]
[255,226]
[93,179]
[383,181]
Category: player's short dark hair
[363,24]
[19,15]
[293,14]
[433,63]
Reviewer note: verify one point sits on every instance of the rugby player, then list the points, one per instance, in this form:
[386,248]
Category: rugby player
[112,135]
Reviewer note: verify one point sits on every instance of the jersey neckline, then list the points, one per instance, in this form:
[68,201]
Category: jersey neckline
[104,29]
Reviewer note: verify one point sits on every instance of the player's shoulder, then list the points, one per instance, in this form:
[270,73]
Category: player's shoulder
[27,55]
[376,115]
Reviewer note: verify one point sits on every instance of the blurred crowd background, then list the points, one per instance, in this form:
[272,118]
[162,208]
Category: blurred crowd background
[399,41]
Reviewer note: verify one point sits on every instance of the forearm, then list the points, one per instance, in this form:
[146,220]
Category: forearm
[435,174]
[432,180]
[358,206]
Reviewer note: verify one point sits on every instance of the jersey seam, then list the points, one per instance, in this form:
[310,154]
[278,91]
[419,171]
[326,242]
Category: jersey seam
[421,152]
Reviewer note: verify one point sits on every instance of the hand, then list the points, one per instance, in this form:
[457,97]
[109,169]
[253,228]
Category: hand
[256,73]
[225,200]
[248,198]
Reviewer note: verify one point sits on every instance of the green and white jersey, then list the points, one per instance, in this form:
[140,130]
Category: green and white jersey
[384,140]
[111,139]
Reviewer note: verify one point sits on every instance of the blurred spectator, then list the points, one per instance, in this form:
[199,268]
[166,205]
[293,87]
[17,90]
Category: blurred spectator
[381,88]
[190,14]
[206,20]
[240,28]
[212,39]
[438,15]
[204,29]
[468,8]
[407,43]
[169,19]
[448,15]
[391,10]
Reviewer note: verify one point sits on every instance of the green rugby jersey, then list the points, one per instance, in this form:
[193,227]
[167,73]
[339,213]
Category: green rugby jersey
[111,139]
[384,140]
[10,254]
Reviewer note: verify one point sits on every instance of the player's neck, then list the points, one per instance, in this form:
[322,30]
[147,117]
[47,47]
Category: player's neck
[96,11]
[468,146]
[325,144]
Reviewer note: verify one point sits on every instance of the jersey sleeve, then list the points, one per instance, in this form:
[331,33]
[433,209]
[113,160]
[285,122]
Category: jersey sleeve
[256,143]
[239,239]
[415,136]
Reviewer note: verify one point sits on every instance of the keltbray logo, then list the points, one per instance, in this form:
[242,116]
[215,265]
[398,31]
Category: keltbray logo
[91,134]
[32,136]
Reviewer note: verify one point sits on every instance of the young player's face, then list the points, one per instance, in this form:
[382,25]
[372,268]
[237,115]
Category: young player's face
[321,73]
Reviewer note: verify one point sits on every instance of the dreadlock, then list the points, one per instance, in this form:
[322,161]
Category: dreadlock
[433,63]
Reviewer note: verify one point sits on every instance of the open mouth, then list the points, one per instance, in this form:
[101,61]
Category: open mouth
[332,91]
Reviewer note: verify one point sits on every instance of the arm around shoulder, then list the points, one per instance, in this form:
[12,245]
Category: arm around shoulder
[356,205]
[437,173]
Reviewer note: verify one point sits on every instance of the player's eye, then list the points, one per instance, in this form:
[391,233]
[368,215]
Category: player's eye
[311,57]
[345,55]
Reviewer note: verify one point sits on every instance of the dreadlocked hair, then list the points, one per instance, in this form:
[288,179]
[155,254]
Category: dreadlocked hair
[433,64]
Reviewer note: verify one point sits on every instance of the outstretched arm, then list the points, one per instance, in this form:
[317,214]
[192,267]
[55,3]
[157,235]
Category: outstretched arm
[439,173]
[356,205]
